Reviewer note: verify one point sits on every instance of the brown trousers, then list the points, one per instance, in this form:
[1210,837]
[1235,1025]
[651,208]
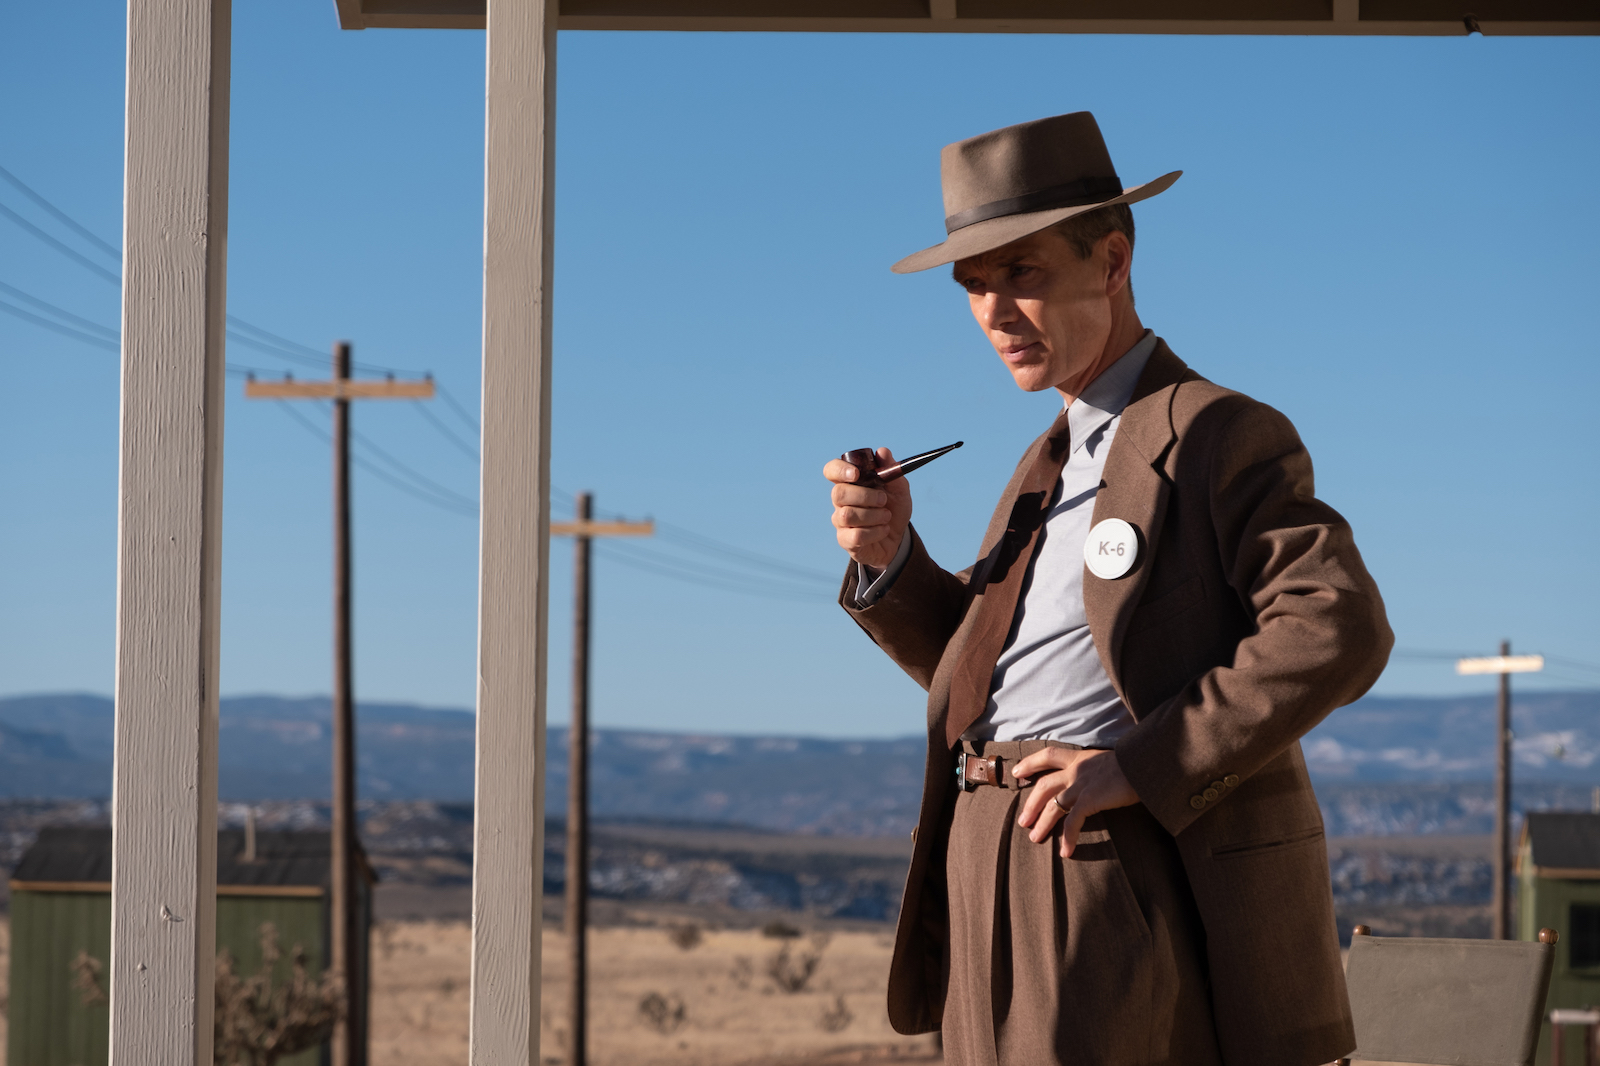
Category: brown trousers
[1051,956]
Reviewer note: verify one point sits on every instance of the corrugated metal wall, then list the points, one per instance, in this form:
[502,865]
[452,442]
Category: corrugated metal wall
[1547,903]
[49,1022]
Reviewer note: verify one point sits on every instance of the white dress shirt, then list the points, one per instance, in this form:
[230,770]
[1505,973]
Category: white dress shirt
[1049,683]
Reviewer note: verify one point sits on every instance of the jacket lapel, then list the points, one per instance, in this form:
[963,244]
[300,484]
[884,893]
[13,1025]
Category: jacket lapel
[1134,488]
[978,583]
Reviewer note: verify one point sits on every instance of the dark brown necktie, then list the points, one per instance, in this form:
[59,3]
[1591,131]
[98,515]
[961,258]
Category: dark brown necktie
[969,684]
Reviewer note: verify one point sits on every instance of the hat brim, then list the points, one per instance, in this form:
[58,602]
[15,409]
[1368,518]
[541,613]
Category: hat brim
[992,233]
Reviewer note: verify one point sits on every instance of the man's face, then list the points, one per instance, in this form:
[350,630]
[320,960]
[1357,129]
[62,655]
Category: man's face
[1047,312]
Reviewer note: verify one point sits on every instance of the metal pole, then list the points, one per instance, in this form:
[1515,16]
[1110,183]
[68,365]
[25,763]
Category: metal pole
[348,1049]
[1502,803]
[578,797]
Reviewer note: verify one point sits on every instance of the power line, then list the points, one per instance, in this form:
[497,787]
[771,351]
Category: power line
[262,346]
[66,331]
[103,337]
[629,555]
[732,554]
[729,553]
[1571,679]
[699,568]
[377,471]
[430,491]
[60,215]
[421,486]
[60,246]
[1451,656]
[461,412]
[432,486]
[62,313]
[267,340]
[248,371]
[1577,664]
[284,347]
[405,478]
[444,431]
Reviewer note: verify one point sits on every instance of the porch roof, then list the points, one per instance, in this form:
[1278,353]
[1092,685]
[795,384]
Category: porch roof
[1563,844]
[78,858]
[1289,17]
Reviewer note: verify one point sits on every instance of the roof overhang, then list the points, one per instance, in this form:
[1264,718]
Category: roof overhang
[1429,18]
[104,887]
[1557,873]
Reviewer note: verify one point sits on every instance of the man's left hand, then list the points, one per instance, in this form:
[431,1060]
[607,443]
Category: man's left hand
[1088,782]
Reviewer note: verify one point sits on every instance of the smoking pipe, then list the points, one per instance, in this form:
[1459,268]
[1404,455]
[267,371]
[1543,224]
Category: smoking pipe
[874,476]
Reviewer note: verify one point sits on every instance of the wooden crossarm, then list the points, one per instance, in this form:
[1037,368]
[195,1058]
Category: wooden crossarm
[603,529]
[289,389]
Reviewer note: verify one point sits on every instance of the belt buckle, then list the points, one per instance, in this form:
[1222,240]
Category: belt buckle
[961,773]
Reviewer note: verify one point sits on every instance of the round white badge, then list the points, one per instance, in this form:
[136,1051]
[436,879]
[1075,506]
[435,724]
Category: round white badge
[1111,549]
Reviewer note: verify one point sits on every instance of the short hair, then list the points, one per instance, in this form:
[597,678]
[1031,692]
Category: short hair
[1085,231]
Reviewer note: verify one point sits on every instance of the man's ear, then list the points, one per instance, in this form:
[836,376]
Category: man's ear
[1117,255]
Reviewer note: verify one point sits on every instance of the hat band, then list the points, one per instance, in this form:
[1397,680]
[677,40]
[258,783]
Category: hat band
[1072,194]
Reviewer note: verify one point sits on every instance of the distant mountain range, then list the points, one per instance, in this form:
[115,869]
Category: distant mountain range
[59,746]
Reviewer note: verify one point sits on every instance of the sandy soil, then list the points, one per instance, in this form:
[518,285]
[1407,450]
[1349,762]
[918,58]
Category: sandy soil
[651,1001]
[732,1015]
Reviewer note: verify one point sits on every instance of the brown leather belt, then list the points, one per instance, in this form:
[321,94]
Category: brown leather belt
[974,770]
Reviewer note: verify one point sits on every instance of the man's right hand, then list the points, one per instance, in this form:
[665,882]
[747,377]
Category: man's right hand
[868,522]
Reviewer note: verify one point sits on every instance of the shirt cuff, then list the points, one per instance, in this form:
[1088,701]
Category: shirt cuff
[873,584]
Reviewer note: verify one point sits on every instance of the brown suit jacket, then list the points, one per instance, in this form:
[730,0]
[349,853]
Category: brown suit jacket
[1247,618]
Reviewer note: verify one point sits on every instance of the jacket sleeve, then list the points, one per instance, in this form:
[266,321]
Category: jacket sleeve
[917,617]
[1320,640]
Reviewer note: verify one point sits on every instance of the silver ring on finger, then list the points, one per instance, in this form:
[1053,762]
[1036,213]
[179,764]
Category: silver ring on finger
[1056,799]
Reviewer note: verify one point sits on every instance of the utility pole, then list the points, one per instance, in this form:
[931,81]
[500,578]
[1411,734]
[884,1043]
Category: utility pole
[581,531]
[349,1042]
[1505,664]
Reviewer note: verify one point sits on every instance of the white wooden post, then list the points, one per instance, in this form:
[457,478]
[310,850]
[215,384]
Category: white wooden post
[164,862]
[514,549]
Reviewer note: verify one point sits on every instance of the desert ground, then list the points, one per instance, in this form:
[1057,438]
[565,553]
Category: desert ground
[711,1003]
[652,1000]
[676,993]
[703,985]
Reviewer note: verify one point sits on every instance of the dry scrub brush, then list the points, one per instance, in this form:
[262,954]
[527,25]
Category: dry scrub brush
[790,972]
[686,937]
[256,1023]
[86,971]
[664,1014]
[836,1018]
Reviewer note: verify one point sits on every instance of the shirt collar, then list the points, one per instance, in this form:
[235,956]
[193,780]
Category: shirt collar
[1109,393]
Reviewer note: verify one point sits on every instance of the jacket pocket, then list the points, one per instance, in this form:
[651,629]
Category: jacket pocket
[1288,841]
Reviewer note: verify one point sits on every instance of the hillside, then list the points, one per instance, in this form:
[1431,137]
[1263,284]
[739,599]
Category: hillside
[271,747]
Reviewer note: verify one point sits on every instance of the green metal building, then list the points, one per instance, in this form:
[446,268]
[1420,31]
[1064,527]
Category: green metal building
[61,932]
[1558,882]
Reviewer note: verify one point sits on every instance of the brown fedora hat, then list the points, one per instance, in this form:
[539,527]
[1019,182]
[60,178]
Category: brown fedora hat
[1004,185]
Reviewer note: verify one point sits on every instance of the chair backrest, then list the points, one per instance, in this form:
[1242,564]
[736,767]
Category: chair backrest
[1449,1002]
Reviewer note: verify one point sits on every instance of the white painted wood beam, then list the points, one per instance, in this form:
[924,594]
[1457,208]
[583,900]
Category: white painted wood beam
[164,809]
[514,545]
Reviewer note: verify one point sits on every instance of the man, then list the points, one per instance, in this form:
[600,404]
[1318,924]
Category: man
[1119,858]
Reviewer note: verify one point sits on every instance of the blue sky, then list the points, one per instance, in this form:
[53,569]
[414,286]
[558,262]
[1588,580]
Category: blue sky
[1392,240]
